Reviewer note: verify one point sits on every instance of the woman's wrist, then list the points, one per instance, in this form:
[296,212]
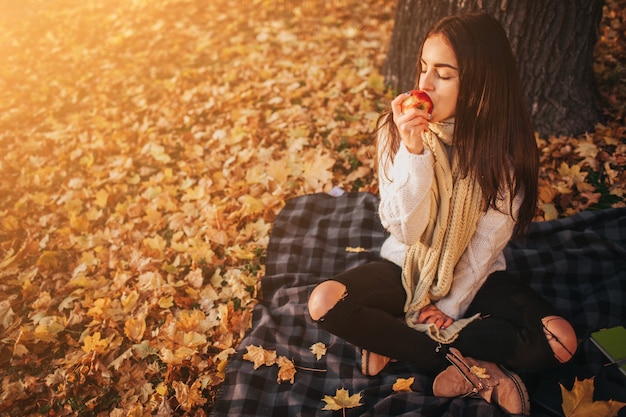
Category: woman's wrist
[415,149]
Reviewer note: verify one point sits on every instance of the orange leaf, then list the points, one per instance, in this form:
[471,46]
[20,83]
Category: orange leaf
[546,191]
[286,369]
[579,401]
[134,328]
[48,260]
[260,356]
[403,384]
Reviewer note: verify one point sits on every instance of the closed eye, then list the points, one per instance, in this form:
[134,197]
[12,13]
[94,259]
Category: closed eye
[438,75]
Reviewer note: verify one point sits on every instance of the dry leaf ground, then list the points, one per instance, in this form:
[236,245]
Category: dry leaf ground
[146,148]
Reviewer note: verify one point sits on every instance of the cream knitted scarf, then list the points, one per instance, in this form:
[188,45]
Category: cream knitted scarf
[429,264]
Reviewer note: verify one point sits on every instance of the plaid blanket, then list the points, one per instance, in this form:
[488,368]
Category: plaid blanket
[578,263]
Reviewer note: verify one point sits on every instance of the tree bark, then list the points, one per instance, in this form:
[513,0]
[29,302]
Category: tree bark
[553,42]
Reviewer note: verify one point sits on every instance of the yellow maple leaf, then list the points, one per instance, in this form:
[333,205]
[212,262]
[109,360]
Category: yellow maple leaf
[403,384]
[251,205]
[156,243]
[95,343]
[190,320]
[256,175]
[286,369]
[195,193]
[260,356]
[177,356]
[579,401]
[153,215]
[317,169]
[342,400]
[573,175]
[318,349]
[278,170]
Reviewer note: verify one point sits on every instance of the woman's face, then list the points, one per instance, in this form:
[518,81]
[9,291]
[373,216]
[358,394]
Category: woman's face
[440,76]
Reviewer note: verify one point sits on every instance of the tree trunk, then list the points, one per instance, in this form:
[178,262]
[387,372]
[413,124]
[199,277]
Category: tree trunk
[552,40]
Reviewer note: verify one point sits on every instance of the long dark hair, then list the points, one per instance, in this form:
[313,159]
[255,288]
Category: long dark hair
[493,133]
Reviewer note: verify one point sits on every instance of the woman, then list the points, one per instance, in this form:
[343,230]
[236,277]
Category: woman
[455,185]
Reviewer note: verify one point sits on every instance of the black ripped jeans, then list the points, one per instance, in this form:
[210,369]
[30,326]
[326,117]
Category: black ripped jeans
[510,333]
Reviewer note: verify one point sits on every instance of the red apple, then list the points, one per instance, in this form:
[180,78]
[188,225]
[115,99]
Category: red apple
[417,99]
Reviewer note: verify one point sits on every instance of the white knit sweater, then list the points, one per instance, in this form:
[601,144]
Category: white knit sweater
[403,210]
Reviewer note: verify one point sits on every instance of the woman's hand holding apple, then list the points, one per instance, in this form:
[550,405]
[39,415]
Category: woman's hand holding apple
[411,113]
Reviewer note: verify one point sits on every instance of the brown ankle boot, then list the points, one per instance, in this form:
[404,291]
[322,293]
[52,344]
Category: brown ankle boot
[476,378]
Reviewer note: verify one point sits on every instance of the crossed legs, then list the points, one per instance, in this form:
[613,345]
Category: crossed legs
[365,307]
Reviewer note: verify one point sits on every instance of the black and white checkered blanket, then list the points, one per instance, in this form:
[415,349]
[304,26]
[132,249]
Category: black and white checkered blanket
[578,263]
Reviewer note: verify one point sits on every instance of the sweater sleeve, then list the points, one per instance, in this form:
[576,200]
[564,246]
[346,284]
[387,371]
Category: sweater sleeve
[482,257]
[405,195]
